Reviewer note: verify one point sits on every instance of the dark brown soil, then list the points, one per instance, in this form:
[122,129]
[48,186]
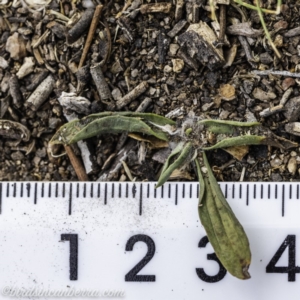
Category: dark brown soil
[133,47]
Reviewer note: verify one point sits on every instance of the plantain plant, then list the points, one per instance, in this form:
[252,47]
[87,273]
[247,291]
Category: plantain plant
[190,141]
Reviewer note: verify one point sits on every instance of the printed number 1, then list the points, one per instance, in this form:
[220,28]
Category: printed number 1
[73,238]
[291,269]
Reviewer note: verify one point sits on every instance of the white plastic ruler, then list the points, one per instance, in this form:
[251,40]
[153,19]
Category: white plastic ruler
[141,243]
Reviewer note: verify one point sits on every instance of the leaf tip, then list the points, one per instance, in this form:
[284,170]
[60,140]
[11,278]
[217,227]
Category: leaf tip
[245,272]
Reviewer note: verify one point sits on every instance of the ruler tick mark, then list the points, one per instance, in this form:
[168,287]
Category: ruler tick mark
[276,191]
[126,191]
[15,190]
[64,190]
[176,194]
[77,190]
[162,191]
[247,195]
[148,190]
[282,204]
[35,193]
[197,190]
[291,191]
[21,192]
[84,190]
[261,191]
[183,191]
[233,191]
[226,187]
[42,192]
[105,194]
[297,191]
[169,190]
[28,187]
[191,190]
[269,191]
[7,190]
[133,190]
[70,199]
[141,199]
[56,190]
[154,192]
[240,191]
[98,191]
[49,190]
[92,190]
[254,192]
[113,190]
[120,190]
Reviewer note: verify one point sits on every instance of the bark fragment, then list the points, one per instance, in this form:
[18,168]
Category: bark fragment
[81,26]
[41,94]
[199,40]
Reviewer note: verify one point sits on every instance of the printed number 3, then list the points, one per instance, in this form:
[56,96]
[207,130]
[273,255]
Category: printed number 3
[200,271]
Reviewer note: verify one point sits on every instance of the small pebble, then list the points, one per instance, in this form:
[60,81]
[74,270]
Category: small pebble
[16,46]
[168,69]
[281,25]
[292,165]
[116,94]
[276,177]
[178,65]
[248,86]
[276,162]
[18,155]
[134,73]
[173,49]
[266,58]
[261,95]
[292,109]
[288,82]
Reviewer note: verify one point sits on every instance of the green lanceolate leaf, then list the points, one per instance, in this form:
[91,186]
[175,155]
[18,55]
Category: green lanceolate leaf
[224,231]
[148,117]
[238,141]
[225,127]
[185,153]
[71,129]
[175,151]
[69,133]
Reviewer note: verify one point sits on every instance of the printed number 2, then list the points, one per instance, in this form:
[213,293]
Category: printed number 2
[200,271]
[132,274]
[291,269]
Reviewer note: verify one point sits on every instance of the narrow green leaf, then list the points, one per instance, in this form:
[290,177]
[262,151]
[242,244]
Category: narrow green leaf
[224,231]
[69,133]
[149,117]
[175,151]
[238,141]
[69,130]
[225,127]
[179,162]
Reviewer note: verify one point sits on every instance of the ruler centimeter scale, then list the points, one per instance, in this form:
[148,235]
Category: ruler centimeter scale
[144,241]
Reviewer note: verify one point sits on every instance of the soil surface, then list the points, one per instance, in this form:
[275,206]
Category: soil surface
[158,50]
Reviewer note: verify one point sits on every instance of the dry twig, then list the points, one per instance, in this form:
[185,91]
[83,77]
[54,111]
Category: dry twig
[77,164]
[91,33]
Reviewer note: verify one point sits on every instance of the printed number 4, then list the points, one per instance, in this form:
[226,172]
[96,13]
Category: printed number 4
[291,269]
